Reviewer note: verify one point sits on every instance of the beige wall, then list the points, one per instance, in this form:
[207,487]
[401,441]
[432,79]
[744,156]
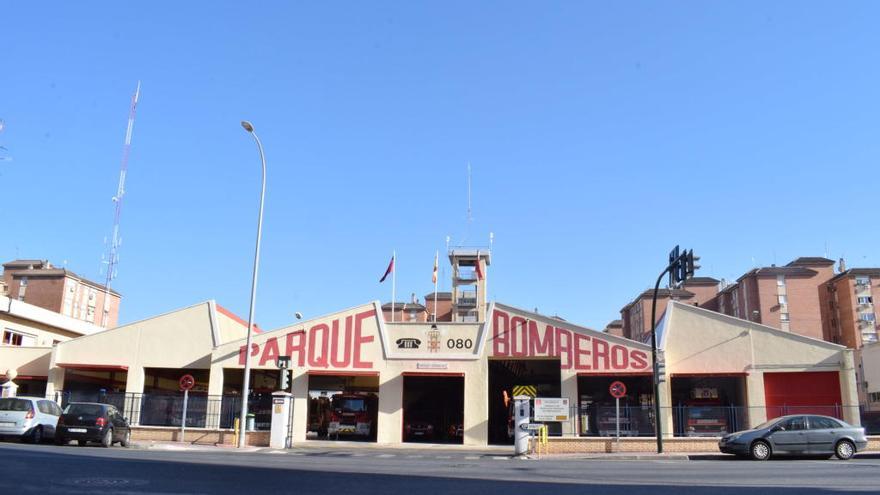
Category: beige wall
[179,339]
[28,361]
[698,341]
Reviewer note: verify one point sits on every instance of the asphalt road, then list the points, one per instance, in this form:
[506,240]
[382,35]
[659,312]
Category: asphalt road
[77,470]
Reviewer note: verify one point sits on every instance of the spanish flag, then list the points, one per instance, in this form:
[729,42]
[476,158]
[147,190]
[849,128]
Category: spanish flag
[388,271]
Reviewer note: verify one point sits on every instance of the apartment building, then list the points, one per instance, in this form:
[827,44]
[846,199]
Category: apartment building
[42,284]
[636,316]
[849,299]
[784,297]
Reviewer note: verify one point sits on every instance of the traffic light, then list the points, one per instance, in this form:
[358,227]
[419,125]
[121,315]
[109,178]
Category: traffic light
[691,264]
[285,379]
[674,263]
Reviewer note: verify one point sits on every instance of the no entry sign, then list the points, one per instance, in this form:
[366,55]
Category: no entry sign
[617,390]
[187,382]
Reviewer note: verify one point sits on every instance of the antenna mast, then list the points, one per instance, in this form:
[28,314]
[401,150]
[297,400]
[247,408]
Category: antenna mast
[112,259]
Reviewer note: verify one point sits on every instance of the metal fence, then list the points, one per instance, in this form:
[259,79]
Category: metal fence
[699,421]
[155,409]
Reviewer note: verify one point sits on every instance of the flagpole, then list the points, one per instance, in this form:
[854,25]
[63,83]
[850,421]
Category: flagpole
[436,278]
[393,281]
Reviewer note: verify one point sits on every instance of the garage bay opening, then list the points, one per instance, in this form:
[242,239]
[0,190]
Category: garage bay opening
[343,407]
[433,408]
[535,377]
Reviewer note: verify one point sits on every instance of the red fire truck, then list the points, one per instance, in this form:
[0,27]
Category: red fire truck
[705,415]
[352,414]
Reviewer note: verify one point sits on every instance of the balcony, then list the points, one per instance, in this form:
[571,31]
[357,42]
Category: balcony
[466,274]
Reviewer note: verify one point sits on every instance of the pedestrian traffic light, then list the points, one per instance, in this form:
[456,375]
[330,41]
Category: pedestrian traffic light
[285,379]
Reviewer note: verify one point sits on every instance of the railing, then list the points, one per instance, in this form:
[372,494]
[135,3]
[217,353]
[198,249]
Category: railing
[700,421]
[166,409]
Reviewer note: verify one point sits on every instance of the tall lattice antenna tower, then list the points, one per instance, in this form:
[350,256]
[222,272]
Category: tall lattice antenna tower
[112,257]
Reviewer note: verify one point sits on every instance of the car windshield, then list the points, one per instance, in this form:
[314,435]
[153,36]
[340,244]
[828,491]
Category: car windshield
[10,404]
[85,409]
[351,405]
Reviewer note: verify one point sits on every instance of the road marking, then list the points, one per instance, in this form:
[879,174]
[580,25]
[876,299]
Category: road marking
[417,456]
[499,458]
[472,457]
[386,456]
[277,452]
[444,457]
[359,454]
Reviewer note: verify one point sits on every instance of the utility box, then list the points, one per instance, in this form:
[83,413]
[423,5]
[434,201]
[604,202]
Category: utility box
[521,415]
[279,436]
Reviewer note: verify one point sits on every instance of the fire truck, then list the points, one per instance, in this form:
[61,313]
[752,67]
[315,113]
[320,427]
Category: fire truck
[352,414]
[705,415]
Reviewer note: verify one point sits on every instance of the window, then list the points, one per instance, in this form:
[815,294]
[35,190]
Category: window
[23,282]
[866,300]
[11,337]
[874,397]
[795,424]
[820,423]
[780,280]
[783,317]
[866,316]
[865,281]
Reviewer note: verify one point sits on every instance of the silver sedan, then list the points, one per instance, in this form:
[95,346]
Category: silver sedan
[796,435]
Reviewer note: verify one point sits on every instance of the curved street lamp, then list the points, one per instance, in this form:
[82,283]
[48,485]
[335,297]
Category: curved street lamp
[247,355]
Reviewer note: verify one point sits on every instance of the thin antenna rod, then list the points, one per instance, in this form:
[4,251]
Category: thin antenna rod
[469,217]
[115,242]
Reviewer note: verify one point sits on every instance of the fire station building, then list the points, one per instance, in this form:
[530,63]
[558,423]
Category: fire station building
[356,375]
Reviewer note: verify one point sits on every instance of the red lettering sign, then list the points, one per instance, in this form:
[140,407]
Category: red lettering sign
[322,346]
[516,337]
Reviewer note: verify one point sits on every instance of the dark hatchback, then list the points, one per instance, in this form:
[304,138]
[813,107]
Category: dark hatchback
[86,421]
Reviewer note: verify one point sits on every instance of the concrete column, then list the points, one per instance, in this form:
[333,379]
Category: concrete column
[300,389]
[476,407]
[666,419]
[215,397]
[134,388]
[569,390]
[849,393]
[390,410]
[755,399]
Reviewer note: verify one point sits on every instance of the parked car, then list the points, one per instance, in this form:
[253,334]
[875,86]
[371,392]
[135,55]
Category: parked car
[420,427]
[87,421]
[28,418]
[797,434]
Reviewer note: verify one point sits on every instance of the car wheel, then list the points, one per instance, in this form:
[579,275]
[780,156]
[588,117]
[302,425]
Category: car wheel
[37,435]
[760,450]
[126,439]
[81,443]
[844,450]
[107,439]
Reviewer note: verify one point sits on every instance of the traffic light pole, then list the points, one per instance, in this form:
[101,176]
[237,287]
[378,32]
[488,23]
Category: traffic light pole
[658,425]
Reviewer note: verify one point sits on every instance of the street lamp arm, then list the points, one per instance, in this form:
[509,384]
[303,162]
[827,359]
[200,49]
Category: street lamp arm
[245,386]
[657,428]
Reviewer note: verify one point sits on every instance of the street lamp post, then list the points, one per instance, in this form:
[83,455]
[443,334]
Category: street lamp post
[247,354]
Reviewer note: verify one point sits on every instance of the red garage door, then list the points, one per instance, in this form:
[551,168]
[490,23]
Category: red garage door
[815,392]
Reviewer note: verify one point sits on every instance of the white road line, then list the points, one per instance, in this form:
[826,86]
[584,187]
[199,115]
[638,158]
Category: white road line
[277,452]
[472,457]
[417,456]
[443,457]
[386,456]
[499,458]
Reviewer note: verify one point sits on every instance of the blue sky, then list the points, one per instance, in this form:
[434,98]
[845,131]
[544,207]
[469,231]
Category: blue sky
[600,134]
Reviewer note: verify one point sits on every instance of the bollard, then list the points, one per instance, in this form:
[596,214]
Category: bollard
[235,432]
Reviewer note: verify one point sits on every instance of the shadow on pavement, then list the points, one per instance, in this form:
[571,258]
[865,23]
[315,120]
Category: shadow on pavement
[84,471]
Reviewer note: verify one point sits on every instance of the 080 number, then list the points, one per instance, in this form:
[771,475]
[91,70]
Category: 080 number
[459,343]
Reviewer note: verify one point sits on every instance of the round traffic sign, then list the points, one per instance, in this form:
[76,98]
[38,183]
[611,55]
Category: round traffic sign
[187,382]
[617,390]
